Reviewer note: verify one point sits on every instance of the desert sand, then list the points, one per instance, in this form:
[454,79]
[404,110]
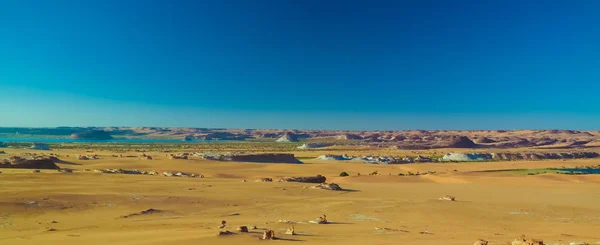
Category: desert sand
[90,208]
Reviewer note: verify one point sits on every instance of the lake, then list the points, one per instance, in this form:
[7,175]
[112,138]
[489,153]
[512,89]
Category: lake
[68,140]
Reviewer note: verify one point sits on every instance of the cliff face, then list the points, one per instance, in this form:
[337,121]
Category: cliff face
[264,157]
[92,135]
[30,164]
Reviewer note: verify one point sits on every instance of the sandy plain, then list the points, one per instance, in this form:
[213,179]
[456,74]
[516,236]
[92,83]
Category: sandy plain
[89,208]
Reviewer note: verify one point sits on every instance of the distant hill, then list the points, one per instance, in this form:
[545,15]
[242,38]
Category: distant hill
[92,135]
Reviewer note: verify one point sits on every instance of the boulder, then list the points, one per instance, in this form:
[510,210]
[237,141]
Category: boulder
[328,186]
[481,242]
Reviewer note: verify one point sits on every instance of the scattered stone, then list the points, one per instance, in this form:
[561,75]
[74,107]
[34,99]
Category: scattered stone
[447,198]
[51,229]
[268,235]
[320,220]
[223,224]
[524,241]
[290,231]
[36,171]
[53,222]
[253,227]
[344,174]
[481,242]
[242,229]
[264,180]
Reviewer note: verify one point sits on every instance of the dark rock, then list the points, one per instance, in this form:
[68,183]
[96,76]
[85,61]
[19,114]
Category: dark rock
[312,179]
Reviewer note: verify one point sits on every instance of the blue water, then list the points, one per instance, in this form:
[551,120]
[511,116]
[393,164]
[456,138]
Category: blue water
[582,170]
[68,140]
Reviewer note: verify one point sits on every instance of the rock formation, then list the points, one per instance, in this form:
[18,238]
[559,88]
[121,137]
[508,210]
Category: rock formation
[288,137]
[29,163]
[258,157]
[312,179]
[524,241]
[328,186]
[92,135]
[268,235]
[481,242]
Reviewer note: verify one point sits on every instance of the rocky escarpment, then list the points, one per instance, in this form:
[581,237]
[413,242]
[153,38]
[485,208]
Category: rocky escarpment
[17,162]
[92,135]
[258,157]
[463,157]
[510,156]
[310,179]
[288,137]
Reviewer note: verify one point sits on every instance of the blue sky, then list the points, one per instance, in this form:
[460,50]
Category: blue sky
[301,64]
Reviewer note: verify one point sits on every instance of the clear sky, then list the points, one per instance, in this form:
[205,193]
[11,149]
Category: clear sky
[301,64]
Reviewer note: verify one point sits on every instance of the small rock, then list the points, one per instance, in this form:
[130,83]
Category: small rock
[268,235]
[290,231]
[447,198]
[223,224]
[225,233]
[481,242]
[242,229]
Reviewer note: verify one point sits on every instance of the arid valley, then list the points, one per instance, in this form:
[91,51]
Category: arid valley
[180,193]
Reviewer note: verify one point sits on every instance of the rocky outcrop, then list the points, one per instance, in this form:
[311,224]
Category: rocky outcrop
[511,156]
[376,159]
[29,164]
[328,186]
[288,137]
[467,157]
[92,135]
[312,179]
[526,241]
[258,157]
[460,142]
[484,140]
